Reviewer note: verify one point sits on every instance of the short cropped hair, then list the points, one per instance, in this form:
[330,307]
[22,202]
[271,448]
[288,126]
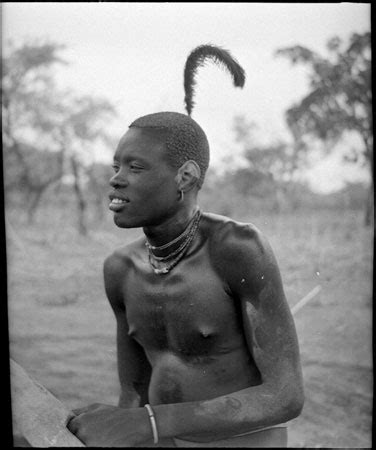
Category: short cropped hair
[185,139]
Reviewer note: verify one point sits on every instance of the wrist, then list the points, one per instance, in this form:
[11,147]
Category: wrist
[129,400]
[176,419]
[153,423]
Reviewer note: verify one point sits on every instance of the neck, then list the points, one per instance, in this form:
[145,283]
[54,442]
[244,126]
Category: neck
[165,232]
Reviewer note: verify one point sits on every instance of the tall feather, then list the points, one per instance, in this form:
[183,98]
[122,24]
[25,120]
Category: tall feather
[197,58]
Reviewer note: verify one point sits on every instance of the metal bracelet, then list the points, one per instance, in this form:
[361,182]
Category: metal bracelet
[153,423]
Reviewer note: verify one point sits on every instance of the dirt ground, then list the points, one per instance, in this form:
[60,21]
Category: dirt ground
[62,330]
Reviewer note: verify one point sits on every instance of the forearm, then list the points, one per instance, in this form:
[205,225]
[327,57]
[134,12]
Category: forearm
[129,399]
[134,397]
[238,412]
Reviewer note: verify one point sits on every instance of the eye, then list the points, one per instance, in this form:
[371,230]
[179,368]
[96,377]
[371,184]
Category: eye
[115,167]
[135,167]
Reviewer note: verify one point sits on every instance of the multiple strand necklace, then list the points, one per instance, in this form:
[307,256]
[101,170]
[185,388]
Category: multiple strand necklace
[163,264]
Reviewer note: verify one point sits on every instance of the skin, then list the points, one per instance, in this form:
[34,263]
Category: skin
[211,345]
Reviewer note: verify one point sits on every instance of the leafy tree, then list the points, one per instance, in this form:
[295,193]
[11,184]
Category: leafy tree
[30,108]
[48,133]
[339,100]
[269,170]
[84,128]
[99,175]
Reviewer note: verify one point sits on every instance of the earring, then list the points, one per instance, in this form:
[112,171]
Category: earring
[181,195]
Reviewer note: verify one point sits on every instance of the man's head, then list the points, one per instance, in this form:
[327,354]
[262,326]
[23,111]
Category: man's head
[151,174]
[184,139]
[165,154]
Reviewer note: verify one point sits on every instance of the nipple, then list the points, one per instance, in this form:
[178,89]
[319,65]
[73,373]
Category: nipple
[131,331]
[205,333]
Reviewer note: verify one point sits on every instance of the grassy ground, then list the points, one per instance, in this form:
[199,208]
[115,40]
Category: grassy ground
[62,330]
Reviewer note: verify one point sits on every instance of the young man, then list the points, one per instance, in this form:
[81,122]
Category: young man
[205,336]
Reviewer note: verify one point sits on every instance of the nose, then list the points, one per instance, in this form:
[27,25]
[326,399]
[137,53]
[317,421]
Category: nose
[118,180]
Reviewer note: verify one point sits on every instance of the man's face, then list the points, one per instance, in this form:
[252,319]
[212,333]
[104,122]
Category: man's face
[144,191]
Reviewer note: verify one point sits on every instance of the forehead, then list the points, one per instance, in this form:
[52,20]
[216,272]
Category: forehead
[137,142]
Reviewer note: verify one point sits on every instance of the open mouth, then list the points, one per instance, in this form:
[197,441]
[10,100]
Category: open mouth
[117,203]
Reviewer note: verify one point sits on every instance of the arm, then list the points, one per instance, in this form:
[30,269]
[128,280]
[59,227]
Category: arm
[128,424]
[256,286]
[133,368]
[255,283]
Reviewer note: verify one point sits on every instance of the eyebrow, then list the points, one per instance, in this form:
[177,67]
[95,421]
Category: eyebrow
[130,158]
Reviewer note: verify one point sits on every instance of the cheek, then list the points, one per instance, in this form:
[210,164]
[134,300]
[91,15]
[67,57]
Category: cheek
[162,188]
[160,200]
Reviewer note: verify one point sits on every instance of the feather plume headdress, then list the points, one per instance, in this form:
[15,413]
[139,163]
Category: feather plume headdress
[197,58]
[186,140]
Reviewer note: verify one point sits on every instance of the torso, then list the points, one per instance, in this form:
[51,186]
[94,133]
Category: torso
[188,322]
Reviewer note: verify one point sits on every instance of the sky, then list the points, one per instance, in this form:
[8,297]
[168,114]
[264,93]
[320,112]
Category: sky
[134,55]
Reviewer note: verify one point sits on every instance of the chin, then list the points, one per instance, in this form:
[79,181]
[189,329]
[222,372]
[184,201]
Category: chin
[123,223]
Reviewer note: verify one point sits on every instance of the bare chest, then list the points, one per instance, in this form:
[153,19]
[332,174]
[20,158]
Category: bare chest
[187,311]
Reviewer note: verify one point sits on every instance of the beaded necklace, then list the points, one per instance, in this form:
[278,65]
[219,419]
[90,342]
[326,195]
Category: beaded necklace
[164,264]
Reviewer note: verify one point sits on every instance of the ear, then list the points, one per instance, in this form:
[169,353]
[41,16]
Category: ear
[188,175]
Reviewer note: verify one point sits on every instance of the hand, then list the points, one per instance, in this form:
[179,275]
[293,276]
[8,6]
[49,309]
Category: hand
[109,426]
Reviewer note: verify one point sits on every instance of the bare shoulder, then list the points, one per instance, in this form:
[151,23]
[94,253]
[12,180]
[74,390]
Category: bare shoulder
[245,262]
[227,235]
[119,259]
[115,269]
[240,252]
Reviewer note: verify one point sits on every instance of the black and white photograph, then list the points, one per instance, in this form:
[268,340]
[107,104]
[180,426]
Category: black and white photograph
[189,224]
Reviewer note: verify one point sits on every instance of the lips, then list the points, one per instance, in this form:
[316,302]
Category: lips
[117,202]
